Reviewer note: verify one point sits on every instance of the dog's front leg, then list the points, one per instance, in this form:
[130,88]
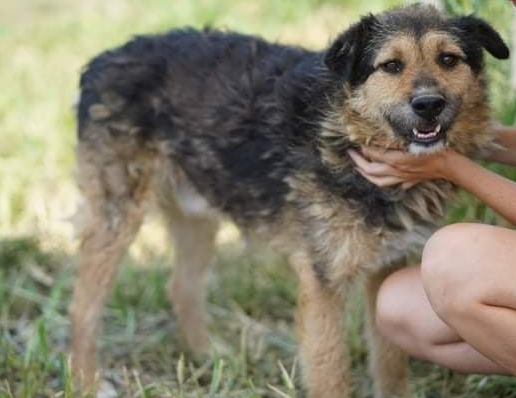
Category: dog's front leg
[387,363]
[322,343]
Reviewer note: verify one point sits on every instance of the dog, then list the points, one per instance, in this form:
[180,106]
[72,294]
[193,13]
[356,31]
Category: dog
[214,125]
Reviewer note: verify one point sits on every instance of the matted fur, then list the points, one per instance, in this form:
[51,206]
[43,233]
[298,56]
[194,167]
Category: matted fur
[215,125]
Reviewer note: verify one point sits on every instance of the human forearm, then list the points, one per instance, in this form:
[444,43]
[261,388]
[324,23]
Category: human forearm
[495,191]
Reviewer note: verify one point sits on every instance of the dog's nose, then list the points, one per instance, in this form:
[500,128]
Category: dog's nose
[428,106]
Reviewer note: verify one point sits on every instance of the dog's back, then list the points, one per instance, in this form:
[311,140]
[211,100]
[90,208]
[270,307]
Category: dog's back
[212,102]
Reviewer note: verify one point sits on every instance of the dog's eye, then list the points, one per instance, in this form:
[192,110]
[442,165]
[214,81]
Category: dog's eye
[448,60]
[393,66]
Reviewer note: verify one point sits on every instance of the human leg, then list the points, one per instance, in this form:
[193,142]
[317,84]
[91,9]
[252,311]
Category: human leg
[404,315]
[468,272]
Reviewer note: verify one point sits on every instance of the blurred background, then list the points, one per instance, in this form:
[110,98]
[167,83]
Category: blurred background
[43,46]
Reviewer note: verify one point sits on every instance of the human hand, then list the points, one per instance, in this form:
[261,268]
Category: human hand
[389,167]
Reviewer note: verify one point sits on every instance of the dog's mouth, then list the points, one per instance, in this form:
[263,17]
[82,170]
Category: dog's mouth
[423,136]
[428,135]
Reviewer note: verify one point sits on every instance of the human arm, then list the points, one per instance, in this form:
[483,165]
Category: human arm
[386,168]
[497,192]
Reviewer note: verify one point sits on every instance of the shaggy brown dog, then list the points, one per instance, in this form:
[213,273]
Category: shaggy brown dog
[216,125]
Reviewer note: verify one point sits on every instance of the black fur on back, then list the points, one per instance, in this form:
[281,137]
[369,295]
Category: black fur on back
[241,114]
[238,112]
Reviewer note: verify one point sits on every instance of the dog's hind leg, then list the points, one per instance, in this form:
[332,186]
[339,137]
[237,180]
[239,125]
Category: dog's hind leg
[387,363]
[323,347]
[194,235]
[115,186]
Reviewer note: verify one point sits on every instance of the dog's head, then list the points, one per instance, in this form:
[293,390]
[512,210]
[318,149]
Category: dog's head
[413,79]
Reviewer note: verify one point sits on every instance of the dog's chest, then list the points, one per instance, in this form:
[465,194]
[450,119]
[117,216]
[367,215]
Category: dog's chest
[395,246]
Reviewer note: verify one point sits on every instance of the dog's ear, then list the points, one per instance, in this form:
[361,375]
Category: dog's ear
[484,34]
[345,52]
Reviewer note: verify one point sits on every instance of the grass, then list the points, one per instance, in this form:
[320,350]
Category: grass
[144,356]
[44,44]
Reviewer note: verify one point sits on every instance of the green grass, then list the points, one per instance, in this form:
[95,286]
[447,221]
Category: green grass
[43,46]
[142,352]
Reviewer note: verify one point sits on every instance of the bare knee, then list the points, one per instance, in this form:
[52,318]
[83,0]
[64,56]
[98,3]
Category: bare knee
[405,317]
[448,271]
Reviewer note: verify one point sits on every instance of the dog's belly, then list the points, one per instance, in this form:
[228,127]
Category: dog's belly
[246,191]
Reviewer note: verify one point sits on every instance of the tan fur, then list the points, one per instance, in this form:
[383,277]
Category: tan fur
[118,176]
[319,322]
[354,249]
[114,179]
[348,241]
[385,91]
[386,362]
[194,239]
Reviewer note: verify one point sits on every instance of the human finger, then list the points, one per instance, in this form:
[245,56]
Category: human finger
[381,181]
[386,156]
[359,160]
[373,168]
[408,184]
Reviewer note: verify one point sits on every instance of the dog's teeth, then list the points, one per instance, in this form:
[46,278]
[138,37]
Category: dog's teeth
[432,133]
